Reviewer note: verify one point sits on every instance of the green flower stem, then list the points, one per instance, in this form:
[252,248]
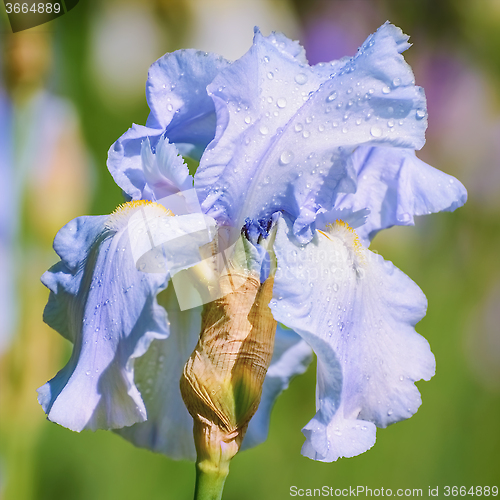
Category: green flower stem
[215,449]
[210,480]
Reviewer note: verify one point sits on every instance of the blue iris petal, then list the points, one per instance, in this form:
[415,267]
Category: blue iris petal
[105,304]
[169,427]
[358,314]
[395,186]
[180,109]
[286,131]
[108,309]
[165,172]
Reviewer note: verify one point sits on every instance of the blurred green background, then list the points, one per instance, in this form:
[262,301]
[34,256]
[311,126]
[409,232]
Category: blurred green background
[100,53]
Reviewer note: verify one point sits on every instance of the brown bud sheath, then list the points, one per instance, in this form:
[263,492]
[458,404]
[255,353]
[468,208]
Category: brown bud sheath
[222,380]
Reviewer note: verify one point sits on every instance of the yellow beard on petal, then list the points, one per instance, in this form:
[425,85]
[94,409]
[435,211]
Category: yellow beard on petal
[123,212]
[341,230]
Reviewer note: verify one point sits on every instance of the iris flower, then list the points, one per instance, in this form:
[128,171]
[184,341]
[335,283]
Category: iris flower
[299,167]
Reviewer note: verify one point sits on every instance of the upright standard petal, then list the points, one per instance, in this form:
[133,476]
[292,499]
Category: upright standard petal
[358,313]
[285,132]
[180,109]
[177,96]
[165,172]
[103,302]
[395,186]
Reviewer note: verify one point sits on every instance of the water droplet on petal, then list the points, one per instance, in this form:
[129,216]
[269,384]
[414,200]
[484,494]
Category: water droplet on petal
[298,127]
[332,96]
[248,120]
[170,107]
[270,75]
[385,89]
[301,78]
[286,157]
[264,130]
[420,114]
[376,131]
[389,413]
[281,102]
[396,82]
[87,373]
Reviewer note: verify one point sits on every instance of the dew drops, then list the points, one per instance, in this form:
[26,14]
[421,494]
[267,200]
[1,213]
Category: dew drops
[263,130]
[396,82]
[306,134]
[248,120]
[385,89]
[332,96]
[266,59]
[376,132]
[301,78]
[270,75]
[321,128]
[391,123]
[281,102]
[286,157]
[420,114]
[298,127]
[401,378]
[170,107]
[389,413]
[87,373]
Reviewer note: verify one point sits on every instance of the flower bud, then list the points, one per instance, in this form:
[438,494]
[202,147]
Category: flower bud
[222,380]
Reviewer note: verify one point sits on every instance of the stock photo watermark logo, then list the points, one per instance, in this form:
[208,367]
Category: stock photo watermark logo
[28,14]
[172,235]
[195,258]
